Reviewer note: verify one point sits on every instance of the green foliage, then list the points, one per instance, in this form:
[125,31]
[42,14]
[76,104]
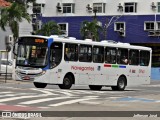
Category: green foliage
[13,15]
[21,1]
[49,28]
[90,30]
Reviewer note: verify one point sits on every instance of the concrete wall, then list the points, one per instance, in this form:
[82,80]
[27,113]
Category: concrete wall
[143,7]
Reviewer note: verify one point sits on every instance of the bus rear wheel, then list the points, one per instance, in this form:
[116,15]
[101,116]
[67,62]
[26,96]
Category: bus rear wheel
[95,87]
[67,83]
[40,85]
[121,84]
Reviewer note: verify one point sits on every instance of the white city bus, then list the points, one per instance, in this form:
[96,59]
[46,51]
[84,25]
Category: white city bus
[67,61]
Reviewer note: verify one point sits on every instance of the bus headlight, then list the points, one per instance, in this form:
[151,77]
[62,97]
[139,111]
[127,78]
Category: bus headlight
[43,72]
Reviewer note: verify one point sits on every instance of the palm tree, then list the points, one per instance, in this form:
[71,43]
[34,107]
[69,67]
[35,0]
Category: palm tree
[49,28]
[90,30]
[12,16]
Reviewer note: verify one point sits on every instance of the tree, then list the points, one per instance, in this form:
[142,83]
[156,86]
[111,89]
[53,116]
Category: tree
[24,2]
[13,15]
[90,30]
[49,28]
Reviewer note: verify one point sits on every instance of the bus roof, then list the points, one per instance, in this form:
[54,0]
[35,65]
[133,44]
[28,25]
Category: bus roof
[109,43]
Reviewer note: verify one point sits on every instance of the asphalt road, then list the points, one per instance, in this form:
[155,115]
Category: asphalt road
[105,104]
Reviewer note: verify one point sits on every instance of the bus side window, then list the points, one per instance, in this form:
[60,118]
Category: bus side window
[71,52]
[144,58]
[85,53]
[122,56]
[134,57]
[110,55]
[98,54]
[55,54]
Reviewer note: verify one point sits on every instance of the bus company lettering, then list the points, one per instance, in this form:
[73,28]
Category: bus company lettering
[82,68]
[141,71]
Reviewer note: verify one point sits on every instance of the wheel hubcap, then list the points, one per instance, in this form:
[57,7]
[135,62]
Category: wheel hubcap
[121,84]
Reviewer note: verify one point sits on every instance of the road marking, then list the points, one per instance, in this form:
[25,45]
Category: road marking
[15,94]
[89,102]
[43,91]
[42,100]
[133,99]
[21,97]
[5,92]
[71,102]
[65,92]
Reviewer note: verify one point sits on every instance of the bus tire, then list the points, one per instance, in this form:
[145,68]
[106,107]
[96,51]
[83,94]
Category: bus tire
[67,82]
[121,84]
[95,87]
[40,85]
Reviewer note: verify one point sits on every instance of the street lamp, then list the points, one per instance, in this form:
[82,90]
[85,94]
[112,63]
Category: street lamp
[95,12]
[108,23]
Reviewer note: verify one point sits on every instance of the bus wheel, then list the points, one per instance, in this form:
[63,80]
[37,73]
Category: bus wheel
[121,84]
[40,85]
[95,87]
[67,82]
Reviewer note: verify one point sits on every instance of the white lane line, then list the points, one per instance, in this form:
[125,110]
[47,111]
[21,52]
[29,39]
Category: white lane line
[70,102]
[5,92]
[15,94]
[89,102]
[42,100]
[20,97]
[65,92]
[43,91]
[74,92]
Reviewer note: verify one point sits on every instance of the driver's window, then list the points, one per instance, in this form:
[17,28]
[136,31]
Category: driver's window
[55,54]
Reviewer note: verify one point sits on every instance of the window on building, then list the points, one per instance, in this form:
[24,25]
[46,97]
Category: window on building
[85,53]
[158,6]
[68,8]
[149,26]
[119,25]
[100,7]
[37,8]
[98,54]
[120,28]
[63,28]
[130,7]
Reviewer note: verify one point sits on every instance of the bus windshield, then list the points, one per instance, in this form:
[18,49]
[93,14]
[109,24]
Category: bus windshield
[32,55]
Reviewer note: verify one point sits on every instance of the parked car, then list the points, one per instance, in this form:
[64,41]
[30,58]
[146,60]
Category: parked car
[9,64]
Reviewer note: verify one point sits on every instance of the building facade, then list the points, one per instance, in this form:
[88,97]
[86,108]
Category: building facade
[132,21]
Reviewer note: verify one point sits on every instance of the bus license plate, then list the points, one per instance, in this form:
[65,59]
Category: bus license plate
[26,78]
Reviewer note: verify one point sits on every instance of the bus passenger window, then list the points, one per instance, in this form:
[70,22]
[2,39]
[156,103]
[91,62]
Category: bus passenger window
[98,54]
[71,52]
[144,58]
[55,54]
[85,53]
[134,57]
[122,56]
[110,55]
